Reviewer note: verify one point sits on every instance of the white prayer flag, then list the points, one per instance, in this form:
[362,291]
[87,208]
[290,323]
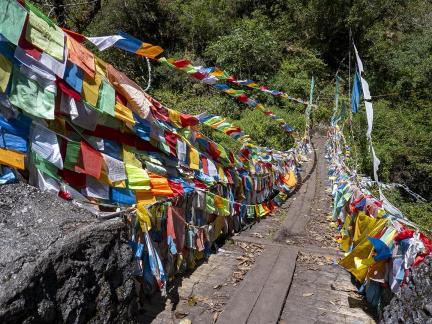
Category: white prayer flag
[359,62]
[376,163]
[45,144]
[181,151]
[366,92]
[115,168]
[369,116]
[212,169]
[104,42]
[96,189]
[57,67]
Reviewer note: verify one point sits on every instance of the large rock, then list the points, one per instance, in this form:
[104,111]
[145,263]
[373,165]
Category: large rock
[414,302]
[58,263]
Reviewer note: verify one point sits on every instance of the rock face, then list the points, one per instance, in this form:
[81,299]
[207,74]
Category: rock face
[59,264]
[414,303]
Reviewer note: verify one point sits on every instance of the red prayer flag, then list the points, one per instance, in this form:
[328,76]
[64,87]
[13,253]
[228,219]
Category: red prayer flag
[176,187]
[65,88]
[170,223]
[28,47]
[188,120]
[213,151]
[120,98]
[199,75]
[229,177]
[204,164]
[231,78]
[74,179]
[171,139]
[199,184]
[181,63]
[78,37]
[243,98]
[89,161]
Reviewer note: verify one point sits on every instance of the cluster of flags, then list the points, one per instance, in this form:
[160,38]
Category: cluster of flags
[381,245]
[83,130]
[211,76]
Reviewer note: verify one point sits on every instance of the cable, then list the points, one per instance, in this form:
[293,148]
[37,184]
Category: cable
[149,75]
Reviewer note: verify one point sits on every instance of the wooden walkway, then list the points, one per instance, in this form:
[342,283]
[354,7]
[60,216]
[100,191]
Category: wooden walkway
[297,279]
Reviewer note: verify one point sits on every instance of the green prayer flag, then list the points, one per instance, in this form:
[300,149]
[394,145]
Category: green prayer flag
[109,121]
[163,146]
[138,178]
[72,155]
[223,154]
[45,166]
[106,102]
[213,120]
[209,203]
[31,97]
[225,211]
[250,211]
[48,38]
[30,7]
[12,19]
[164,61]
[5,72]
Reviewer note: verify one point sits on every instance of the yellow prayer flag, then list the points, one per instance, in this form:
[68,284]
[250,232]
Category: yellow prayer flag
[145,197]
[290,179]
[149,50]
[218,202]
[358,261]
[101,66]
[90,89]
[221,172]
[11,158]
[174,116]
[123,113]
[5,72]
[363,225]
[217,73]
[193,159]
[143,217]
[129,157]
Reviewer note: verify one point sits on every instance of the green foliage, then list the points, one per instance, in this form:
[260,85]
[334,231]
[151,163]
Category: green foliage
[251,49]
[402,137]
[264,131]
[418,212]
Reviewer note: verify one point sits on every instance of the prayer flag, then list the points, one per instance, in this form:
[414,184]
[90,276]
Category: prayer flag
[12,19]
[49,38]
[127,43]
[90,161]
[33,93]
[11,158]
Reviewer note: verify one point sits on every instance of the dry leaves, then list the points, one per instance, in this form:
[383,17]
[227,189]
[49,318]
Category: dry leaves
[250,252]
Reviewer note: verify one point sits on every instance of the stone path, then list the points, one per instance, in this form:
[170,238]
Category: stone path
[280,270]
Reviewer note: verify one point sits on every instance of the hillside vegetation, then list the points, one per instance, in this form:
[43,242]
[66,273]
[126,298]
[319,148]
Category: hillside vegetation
[282,43]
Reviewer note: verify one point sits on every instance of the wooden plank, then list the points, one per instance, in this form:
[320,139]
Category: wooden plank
[270,302]
[255,240]
[242,302]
